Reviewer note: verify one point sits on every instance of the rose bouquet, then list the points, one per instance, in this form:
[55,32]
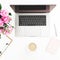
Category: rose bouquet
[5,18]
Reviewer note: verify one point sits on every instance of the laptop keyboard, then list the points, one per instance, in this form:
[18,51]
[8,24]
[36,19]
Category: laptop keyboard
[32,20]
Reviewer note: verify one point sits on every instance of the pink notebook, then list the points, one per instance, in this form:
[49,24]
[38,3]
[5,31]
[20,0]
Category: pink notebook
[53,45]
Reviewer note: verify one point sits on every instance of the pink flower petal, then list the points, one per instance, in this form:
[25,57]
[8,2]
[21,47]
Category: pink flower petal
[0,30]
[10,28]
[6,19]
[4,12]
[1,22]
[6,32]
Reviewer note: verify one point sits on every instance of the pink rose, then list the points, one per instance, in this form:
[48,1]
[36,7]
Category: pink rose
[1,22]
[4,13]
[4,16]
[5,19]
[0,30]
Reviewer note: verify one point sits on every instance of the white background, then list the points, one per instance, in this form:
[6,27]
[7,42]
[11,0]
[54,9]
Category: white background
[18,50]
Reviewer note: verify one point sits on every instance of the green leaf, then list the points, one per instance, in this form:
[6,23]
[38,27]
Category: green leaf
[5,25]
[0,7]
[10,14]
[0,36]
[12,26]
